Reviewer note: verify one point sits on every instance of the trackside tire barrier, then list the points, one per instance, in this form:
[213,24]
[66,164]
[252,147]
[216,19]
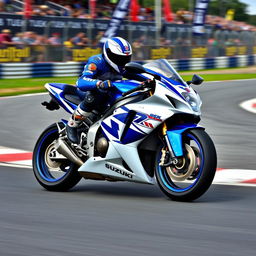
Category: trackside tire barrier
[55,69]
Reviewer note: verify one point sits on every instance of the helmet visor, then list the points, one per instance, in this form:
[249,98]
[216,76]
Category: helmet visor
[119,60]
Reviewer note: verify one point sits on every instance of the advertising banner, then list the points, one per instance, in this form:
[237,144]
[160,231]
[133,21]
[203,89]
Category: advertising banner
[119,14]
[199,16]
[69,27]
[14,54]
[161,53]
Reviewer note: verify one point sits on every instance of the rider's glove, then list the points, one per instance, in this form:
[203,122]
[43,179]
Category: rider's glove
[104,84]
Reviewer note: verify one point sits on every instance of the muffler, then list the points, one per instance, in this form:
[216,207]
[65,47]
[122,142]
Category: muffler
[62,147]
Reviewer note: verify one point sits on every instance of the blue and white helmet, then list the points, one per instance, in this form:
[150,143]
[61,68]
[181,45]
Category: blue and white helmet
[117,52]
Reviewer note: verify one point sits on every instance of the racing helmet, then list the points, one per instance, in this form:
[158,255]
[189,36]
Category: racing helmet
[117,52]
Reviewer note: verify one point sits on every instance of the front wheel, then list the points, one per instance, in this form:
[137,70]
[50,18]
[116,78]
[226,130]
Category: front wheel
[52,170]
[195,170]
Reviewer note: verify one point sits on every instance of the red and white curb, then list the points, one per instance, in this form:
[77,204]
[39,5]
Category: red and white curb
[249,105]
[15,157]
[23,159]
[235,176]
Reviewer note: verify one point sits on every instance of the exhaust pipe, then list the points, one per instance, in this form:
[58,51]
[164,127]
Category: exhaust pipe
[63,148]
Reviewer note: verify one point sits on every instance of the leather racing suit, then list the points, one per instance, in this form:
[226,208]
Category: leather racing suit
[97,72]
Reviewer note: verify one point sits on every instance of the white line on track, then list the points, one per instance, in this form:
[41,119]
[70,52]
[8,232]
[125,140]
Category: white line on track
[16,165]
[24,95]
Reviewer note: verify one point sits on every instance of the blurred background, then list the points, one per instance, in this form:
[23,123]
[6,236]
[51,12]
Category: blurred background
[50,31]
[54,38]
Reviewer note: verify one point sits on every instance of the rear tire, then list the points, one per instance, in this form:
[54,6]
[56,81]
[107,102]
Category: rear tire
[53,175]
[202,175]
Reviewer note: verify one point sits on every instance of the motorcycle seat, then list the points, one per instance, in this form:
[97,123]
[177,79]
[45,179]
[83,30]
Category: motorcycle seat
[73,94]
[70,89]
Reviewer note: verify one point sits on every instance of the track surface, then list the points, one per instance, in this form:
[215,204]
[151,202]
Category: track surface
[102,218]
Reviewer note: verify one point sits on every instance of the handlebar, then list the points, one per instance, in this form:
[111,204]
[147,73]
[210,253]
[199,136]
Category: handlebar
[147,84]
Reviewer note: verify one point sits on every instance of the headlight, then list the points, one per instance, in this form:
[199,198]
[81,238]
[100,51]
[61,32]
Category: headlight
[193,99]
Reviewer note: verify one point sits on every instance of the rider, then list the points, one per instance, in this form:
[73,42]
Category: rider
[96,80]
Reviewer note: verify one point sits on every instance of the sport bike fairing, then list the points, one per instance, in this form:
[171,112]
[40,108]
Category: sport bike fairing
[130,124]
[149,131]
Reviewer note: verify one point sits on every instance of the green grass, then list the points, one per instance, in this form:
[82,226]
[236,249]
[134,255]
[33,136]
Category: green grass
[216,69]
[9,87]
[220,77]
[34,82]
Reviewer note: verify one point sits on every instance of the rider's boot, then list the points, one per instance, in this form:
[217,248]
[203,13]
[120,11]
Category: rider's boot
[74,122]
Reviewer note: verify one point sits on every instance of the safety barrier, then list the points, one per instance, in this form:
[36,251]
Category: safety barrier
[60,69]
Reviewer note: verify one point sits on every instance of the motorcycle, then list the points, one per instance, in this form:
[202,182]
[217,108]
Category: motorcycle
[149,133]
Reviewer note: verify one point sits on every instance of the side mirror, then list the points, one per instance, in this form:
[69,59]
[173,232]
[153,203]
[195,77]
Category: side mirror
[133,67]
[196,80]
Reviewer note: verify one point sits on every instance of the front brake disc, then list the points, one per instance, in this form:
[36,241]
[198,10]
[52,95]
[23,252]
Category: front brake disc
[185,167]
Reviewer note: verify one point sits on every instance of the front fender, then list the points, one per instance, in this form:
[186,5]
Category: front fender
[174,136]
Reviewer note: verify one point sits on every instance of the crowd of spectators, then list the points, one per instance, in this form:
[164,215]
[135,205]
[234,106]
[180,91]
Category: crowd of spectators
[55,39]
[74,9]
[44,47]
[223,24]
[104,10]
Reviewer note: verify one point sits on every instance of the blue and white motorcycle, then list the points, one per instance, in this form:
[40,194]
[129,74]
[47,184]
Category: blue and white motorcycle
[149,133]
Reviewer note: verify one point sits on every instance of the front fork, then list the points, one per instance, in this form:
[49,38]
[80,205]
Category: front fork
[173,139]
[172,159]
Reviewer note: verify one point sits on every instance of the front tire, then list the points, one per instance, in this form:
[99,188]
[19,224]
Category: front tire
[194,174]
[53,173]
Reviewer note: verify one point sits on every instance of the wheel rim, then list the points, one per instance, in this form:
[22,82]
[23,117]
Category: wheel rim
[48,157]
[178,181]
[176,173]
[49,170]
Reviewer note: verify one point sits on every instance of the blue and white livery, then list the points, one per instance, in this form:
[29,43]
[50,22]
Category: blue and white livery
[149,133]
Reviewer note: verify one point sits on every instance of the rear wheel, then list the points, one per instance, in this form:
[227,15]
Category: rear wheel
[193,174]
[52,170]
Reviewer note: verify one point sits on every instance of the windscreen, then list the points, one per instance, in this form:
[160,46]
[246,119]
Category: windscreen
[163,67]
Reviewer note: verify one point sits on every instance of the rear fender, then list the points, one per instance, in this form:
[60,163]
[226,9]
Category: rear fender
[174,136]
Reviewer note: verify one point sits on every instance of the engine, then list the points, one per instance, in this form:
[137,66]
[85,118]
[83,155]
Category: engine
[102,146]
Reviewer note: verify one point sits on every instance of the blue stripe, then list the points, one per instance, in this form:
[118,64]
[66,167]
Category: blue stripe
[1,72]
[120,43]
[170,80]
[209,63]
[132,136]
[183,64]
[112,129]
[106,45]
[250,60]
[42,69]
[232,62]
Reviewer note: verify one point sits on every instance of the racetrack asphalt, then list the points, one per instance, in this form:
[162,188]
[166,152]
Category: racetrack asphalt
[103,218]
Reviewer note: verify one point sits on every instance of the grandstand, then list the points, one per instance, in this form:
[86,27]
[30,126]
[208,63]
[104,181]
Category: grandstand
[65,30]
